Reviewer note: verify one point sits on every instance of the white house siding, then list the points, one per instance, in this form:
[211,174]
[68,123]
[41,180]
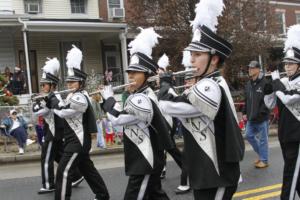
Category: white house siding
[7,56]
[60,9]
[48,45]
[6,5]
[18,6]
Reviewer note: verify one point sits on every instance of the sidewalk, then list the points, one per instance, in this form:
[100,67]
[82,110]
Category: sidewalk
[32,153]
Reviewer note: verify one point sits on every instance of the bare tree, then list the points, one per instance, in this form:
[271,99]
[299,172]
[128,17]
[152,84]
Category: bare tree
[247,24]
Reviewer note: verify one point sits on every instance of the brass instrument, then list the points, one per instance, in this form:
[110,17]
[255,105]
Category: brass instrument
[42,96]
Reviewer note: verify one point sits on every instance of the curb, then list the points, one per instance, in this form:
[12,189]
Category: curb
[34,157]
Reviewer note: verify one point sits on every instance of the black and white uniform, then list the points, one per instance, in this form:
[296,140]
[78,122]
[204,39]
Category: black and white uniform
[52,148]
[175,152]
[146,136]
[212,140]
[80,123]
[288,102]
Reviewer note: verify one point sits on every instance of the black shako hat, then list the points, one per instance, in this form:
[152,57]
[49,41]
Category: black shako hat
[292,55]
[205,40]
[141,63]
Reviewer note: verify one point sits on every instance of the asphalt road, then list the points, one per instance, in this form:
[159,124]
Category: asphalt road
[21,181]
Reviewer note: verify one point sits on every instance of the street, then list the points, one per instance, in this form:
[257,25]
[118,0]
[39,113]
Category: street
[22,181]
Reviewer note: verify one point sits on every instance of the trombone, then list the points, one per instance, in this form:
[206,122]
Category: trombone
[42,96]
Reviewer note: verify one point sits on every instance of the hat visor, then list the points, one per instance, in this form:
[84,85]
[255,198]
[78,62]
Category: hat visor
[137,68]
[73,79]
[291,60]
[196,47]
[47,81]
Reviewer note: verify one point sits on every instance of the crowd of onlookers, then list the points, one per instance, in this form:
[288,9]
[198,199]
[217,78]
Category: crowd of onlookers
[16,80]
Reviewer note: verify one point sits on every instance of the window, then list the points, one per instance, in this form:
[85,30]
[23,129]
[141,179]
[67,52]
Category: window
[78,6]
[298,18]
[115,4]
[280,17]
[33,6]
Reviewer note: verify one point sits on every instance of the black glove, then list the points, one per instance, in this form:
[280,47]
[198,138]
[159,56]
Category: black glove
[36,106]
[268,89]
[278,85]
[52,101]
[163,91]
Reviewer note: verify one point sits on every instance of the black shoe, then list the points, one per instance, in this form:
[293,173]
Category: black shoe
[182,190]
[76,183]
[45,191]
[163,174]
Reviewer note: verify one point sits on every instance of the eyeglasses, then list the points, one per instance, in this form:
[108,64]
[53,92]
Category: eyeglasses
[14,113]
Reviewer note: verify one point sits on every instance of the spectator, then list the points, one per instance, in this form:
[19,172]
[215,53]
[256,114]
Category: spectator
[8,77]
[96,100]
[109,131]
[18,82]
[257,114]
[16,126]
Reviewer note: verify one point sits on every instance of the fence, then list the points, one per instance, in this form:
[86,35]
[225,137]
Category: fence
[24,111]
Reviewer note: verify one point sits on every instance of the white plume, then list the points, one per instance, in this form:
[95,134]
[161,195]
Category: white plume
[293,37]
[186,59]
[74,58]
[144,42]
[207,13]
[51,66]
[163,61]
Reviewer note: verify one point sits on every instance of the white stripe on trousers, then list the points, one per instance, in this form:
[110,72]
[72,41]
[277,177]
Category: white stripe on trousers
[295,177]
[143,187]
[220,193]
[65,176]
[46,165]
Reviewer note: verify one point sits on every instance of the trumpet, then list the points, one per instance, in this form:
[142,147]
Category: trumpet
[179,73]
[114,88]
[42,96]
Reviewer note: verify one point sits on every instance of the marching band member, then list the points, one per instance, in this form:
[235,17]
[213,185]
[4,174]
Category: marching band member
[146,131]
[213,144]
[285,93]
[52,147]
[80,123]
[166,86]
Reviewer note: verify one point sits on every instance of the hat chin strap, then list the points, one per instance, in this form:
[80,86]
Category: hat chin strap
[206,68]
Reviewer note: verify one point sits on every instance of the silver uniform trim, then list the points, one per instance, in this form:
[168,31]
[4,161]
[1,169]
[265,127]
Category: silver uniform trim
[220,193]
[295,177]
[46,165]
[143,187]
[65,176]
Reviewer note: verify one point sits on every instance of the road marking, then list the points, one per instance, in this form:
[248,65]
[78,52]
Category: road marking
[257,190]
[264,196]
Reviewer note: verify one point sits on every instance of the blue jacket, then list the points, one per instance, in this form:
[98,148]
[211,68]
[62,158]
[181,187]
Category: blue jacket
[8,122]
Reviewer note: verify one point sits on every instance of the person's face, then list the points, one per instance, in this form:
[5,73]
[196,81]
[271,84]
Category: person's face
[253,71]
[46,87]
[291,68]
[14,115]
[138,77]
[199,61]
[73,85]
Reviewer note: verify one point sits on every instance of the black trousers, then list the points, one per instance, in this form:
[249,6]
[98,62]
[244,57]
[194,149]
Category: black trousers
[291,180]
[178,158]
[224,193]
[52,152]
[145,187]
[82,161]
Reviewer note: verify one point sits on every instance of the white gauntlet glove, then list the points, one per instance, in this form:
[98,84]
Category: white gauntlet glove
[107,92]
[275,75]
